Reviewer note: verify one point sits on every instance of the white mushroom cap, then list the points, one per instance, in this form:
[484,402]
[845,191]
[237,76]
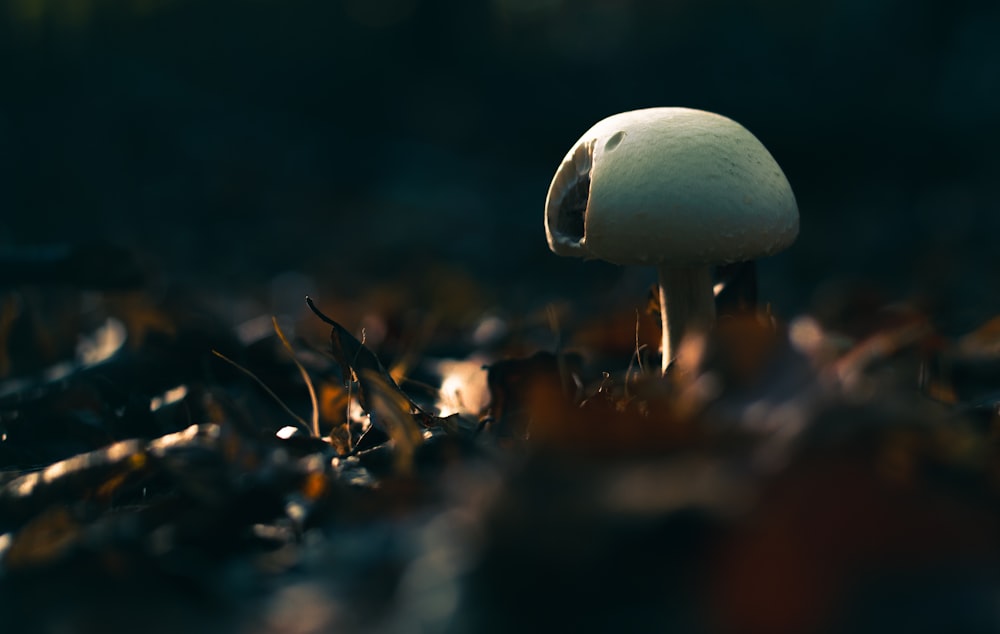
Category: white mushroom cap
[669,186]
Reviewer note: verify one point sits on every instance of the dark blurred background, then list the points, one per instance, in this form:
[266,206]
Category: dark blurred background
[358,142]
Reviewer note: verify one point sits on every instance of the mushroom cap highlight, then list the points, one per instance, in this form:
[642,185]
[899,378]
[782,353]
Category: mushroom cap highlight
[669,186]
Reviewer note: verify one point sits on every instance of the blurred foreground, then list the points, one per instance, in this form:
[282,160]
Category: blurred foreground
[808,476]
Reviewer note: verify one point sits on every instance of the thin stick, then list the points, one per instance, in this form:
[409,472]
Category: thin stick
[636,356]
[305,376]
[303,423]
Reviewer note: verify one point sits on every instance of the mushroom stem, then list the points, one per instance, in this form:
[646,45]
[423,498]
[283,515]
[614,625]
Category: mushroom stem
[687,305]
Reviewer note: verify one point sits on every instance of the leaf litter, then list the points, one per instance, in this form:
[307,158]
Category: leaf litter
[781,478]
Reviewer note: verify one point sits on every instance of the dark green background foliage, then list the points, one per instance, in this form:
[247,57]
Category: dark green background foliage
[232,140]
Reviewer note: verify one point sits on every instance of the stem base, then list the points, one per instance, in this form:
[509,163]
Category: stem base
[687,305]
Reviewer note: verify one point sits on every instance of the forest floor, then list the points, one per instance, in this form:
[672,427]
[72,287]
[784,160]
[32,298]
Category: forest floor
[363,466]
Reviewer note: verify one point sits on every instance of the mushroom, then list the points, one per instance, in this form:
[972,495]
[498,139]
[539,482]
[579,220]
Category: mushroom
[677,188]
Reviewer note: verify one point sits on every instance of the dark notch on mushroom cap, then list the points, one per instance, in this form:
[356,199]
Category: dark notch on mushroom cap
[573,209]
[569,198]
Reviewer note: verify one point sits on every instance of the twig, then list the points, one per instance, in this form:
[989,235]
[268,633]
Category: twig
[299,419]
[305,376]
